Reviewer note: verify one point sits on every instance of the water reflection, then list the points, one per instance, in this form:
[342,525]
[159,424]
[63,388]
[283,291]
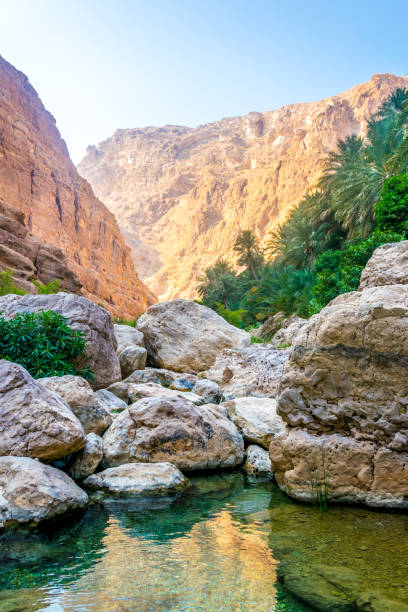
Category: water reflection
[209,551]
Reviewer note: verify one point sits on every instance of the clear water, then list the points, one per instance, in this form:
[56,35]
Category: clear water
[218,548]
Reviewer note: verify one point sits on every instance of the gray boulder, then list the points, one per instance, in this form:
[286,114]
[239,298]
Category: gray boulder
[132,358]
[138,479]
[85,462]
[113,404]
[185,336]
[31,492]
[258,462]
[126,335]
[83,402]
[34,422]
[157,429]
[255,370]
[80,313]
[208,390]
[256,418]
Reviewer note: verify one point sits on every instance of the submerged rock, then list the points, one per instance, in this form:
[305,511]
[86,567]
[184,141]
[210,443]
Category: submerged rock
[80,313]
[185,336]
[83,402]
[258,462]
[34,422]
[255,370]
[85,462]
[256,418]
[133,479]
[158,429]
[31,492]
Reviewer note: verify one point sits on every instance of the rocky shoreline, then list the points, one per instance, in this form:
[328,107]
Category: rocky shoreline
[185,392]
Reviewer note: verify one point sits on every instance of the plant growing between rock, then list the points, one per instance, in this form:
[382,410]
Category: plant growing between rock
[43,344]
[319,484]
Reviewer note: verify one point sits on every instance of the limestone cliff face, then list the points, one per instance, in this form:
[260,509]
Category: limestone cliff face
[181,195]
[38,179]
[30,258]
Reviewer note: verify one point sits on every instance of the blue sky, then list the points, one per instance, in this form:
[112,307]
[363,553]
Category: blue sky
[99,65]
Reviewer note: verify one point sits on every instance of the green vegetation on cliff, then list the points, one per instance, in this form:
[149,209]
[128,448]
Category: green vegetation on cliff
[360,202]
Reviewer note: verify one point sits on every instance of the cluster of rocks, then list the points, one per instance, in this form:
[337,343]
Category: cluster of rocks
[186,391]
[137,428]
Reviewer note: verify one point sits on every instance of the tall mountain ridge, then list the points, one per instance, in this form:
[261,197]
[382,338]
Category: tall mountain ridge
[38,179]
[181,195]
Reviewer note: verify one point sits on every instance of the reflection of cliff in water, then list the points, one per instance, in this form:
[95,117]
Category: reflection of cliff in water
[207,551]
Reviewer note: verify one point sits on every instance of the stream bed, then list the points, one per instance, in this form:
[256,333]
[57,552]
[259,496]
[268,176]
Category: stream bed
[226,545]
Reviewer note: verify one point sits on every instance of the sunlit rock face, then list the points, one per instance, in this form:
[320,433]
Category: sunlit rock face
[181,195]
[38,179]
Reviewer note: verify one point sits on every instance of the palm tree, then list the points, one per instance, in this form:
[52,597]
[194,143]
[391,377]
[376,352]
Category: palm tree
[219,284]
[308,231]
[249,251]
[354,174]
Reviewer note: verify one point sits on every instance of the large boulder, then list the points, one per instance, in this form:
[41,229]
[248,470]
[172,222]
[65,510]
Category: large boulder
[134,479]
[255,370]
[126,335]
[388,265]
[185,336]
[83,402]
[256,418]
[85,462]
[346,387]
[132,358]
[80,313]
[157,429]
[136,392]
[34,422]
[257,462]
[31,492]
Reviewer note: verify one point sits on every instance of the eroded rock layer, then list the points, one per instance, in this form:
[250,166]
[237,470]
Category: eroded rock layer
[38,179]
[181,195]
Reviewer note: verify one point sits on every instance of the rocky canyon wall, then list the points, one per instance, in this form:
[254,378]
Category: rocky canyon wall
[181,195]
[38,179]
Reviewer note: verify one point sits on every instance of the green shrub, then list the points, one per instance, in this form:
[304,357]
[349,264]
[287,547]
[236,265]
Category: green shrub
[52,286]
[391,212]
[120,321]
[339,271]
[43,344]
[7,284]
[234,317]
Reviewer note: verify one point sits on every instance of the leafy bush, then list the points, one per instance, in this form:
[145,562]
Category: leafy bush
[339,271]
[391,211]
[119,321]
[43,344]
[7,284]
[52,286]
[233,317]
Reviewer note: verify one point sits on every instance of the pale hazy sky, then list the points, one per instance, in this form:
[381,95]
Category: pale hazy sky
[99,65]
